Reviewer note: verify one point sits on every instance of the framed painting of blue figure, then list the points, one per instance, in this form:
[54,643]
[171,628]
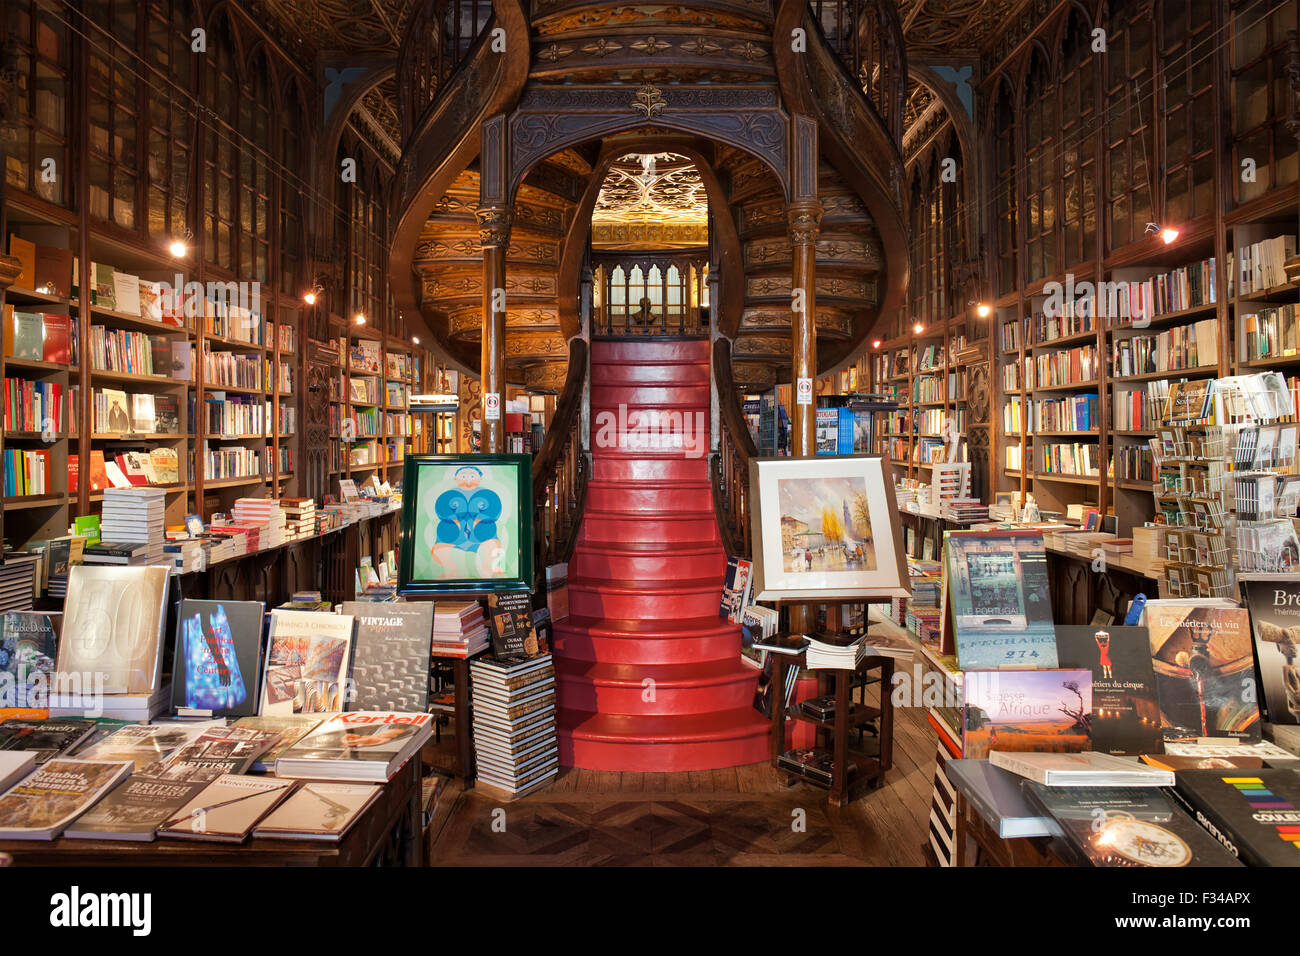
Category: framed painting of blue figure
[467,523]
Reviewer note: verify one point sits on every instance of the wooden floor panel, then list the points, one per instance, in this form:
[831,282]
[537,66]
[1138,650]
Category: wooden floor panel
[742,816]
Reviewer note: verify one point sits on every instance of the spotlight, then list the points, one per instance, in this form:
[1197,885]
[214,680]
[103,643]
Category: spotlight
[309,297]
[178,249]
[1167,234]
[983,310]
[415,340]
[876,344]
[361,319]
[918,329]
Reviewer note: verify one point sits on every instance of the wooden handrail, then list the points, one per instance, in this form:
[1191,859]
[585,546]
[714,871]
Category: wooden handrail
[729,468]
[561,469]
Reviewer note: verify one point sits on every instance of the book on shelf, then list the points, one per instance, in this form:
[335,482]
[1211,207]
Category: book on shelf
[1125,715]
[217,658]
[1253,813]
[306,663]
[1261,265]
[45,738]
[1087,769]
[999,599]
[357,746]
[45,803]
[390,656]
[288,730]
[227,809]
[1126,826]
[1026,711]
[28,649]
[1202,653]
[318,811]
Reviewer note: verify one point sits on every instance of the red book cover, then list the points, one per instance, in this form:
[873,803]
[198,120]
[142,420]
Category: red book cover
[131,469]
[58,338]
[98,474]
[73,469]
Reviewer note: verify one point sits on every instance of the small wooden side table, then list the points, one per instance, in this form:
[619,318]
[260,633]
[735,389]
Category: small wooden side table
[833,734]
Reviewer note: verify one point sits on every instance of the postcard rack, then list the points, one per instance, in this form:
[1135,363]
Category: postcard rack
[1225,454]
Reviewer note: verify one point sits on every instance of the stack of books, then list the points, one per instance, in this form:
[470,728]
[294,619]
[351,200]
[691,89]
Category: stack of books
[459,629]
[300,517]
[116,552]
[135,515]
[835,651]
[513,699]
[964,510]
[186,554]
[265,515]
[18,581]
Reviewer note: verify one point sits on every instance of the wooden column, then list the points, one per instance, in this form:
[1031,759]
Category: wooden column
[494,236]
[494,220]
[805,222]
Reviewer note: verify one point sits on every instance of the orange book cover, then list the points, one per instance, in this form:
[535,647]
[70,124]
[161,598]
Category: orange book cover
[98,472]
[25,253]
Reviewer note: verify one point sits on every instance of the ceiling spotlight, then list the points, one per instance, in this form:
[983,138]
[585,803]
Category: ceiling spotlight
[309,297]
[361,319]
[179,247]
[875,344]
[1167,234]
[415,340]
[983,310]
[918,329]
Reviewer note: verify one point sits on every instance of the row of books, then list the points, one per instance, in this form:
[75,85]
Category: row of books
[135,353]
[1070,413]
[196,782]
[117,412]
[1195,345]
[1262,265]
[927,388]
[1045,328]
[228,462]
[40,336]
[232,370]
[1270,333]
[1070,458]
[237,416]
[31,406]
[1136,409]
[1138,302]
[1063,367]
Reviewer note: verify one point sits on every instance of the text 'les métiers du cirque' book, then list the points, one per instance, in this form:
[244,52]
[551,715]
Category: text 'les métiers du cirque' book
[1125,713]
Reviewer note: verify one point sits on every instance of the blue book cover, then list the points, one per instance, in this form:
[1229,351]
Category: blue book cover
[218,658]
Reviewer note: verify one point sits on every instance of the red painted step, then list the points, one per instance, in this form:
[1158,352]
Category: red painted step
[646,579]
[726,738]
[651,600]
[646,528]
[647,496]
[616,559]
[663,468]
[669,396]
[656,689]
[675,641]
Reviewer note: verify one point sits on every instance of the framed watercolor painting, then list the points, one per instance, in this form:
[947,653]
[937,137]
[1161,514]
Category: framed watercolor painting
[826,527]
[467,524]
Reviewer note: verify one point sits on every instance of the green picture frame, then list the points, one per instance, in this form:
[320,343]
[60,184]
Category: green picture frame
[467,524]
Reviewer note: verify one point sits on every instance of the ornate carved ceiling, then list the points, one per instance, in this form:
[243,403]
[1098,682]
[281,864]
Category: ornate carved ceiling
[348,26]
[652,199]
[953,28]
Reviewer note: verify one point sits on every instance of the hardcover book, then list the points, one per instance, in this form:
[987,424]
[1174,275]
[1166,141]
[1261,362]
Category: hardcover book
[44,804]
[319,811]
[218,658]
[1125,714]
[227,809]
[46,738]
[390,660]
[1047,711]
[113,625]
[1089,769]
[1253,813]
[28,649]
[1205,671]
[999,599]
[135,809]
[288,728]
[511,615]
[216,751]
[306,663]
[362,745]
[1126,826]
[141,744]
[737,590]
[1274,605]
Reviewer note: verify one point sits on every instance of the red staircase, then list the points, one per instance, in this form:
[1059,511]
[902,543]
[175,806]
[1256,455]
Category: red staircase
[649,677]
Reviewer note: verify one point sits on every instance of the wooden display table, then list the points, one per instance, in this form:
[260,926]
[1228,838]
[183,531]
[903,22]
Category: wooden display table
[833,734]
[390,832]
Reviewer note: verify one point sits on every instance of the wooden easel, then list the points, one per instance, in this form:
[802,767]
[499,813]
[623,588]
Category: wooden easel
[833,734]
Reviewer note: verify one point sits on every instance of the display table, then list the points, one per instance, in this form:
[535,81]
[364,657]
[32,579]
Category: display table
[833,734]
[390,832]
[977,839]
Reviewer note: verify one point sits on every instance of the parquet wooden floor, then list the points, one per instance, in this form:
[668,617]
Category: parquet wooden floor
[744,816]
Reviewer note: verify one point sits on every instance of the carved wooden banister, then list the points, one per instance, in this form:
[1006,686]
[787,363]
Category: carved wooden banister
[439,39]
[729,467]
[867,38]
[561,469]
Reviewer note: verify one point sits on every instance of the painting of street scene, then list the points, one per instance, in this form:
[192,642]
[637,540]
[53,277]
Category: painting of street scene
[825,524]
